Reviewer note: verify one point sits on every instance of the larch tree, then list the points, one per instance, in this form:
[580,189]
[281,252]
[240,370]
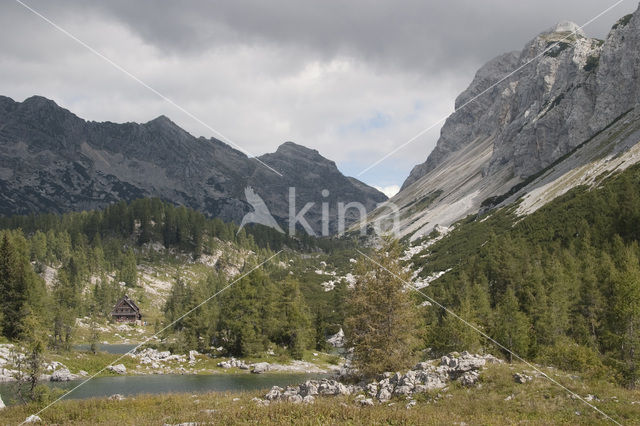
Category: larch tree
[383,324]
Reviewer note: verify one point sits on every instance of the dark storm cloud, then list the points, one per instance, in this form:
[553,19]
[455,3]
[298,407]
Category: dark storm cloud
[432,36]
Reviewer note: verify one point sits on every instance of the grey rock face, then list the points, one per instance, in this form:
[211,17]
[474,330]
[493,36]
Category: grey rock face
[540,110]
[525,112]
[53,161]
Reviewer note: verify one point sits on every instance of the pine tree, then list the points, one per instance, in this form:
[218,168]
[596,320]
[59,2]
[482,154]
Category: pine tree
[511,327]
[13,289]
[129,271]
[295,322]
[626,313]
[383,321]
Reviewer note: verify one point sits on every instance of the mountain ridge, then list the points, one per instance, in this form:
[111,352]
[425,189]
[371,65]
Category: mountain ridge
[54,161]
[537,106]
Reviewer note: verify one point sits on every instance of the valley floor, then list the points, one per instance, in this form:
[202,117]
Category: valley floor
[497,400]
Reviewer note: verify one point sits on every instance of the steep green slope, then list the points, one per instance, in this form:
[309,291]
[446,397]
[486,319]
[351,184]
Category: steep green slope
[561,285]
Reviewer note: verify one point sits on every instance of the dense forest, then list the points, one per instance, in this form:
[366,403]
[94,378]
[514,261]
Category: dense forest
[96,256]
[561,285]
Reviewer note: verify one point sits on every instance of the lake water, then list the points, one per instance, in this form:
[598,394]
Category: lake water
[158,384]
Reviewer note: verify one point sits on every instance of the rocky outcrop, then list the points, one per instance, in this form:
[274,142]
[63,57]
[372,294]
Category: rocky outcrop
[260,367]
[156,359]
[424,377]
[337,340]
[118,369]
[64,375]
[522,378]
[522,114]
[233,363]
[53,161]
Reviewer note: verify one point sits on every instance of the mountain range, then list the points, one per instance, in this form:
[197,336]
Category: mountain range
[562,112]
[54,161]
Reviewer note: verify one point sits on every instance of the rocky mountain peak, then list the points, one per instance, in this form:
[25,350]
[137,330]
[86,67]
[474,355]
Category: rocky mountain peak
[161,120]
[43,107]
[536,107]
[54,161]
[294,151]
[566,27]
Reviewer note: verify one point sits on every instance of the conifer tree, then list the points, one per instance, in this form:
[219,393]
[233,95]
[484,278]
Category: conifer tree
[511,327]
[383,321]
[13,288]
[626,313]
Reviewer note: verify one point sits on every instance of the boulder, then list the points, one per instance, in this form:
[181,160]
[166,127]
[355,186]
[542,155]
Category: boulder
[274,393]
[372,389]
[469,362]
[469,378]
[62,375]
[368,402]
[295,398]
[118,369]
[422,366]
[309,388]
[260,367]
[2,403]
[116,397]
[384,395]
[233,363]
[522,378]
[337,340]
[32,419]
[7,375]
[308,399]
[402,390]
[328,387]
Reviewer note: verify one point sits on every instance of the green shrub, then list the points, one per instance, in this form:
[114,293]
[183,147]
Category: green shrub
[570,356]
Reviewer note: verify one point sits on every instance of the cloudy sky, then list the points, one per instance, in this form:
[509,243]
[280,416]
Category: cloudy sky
[352,79]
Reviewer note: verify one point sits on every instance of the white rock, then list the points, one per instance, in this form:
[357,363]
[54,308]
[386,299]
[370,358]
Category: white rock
[63,375]
[337,340]
[384,395]
[368,402]
[33,419]
[522,378]
[296,399]
[260,367]
[469,378]
[119,369]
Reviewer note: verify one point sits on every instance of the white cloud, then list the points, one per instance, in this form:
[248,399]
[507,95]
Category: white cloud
[389,190]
